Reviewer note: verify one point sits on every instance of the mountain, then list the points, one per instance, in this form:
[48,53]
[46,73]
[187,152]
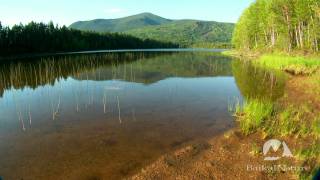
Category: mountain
[121,24]
[187,33]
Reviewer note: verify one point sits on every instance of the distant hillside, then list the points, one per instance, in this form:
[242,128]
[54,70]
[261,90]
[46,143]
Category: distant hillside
[121,24]
[187,33]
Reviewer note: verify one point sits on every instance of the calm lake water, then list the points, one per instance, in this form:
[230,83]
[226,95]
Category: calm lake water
[107,115]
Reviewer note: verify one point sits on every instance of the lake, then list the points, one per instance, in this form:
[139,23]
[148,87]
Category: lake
[108,114]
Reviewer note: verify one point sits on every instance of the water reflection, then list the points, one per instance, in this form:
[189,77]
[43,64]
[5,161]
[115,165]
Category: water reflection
[254,82]
[125,66]
[107,115]
[39,72]
[158,68]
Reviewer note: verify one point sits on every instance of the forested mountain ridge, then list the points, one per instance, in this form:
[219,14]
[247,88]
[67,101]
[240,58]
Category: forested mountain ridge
[120,24]
[188,32]
[284,25]
[146,25]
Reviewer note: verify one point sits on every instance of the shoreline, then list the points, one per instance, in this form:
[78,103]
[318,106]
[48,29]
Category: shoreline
[235,151]
[229,155]
[37,55]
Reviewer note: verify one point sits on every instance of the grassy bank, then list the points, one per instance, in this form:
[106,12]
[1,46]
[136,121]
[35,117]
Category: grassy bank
[296,65]
[298,123]
[295,117]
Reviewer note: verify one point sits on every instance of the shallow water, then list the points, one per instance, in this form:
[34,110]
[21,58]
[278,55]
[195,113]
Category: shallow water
[107,115]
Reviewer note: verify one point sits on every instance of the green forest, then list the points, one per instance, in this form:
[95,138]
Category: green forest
[48,38]
[189,33]
[186,33]
[283,25]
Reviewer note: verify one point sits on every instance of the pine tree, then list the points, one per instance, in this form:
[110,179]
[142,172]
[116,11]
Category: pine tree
[47,38]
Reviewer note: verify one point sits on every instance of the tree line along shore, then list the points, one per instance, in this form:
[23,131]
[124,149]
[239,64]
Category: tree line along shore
[48,38]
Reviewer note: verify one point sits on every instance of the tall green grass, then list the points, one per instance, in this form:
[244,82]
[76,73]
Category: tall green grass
[252,114]
[288,122]
[256,114]
[296,65]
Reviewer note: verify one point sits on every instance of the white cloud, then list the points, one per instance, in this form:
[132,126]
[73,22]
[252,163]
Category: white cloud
[114,10]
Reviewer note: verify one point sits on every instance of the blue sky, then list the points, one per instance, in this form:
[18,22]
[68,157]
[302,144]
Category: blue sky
[64,12]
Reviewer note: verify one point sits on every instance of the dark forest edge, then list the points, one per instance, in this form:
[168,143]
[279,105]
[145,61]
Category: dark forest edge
[41,38]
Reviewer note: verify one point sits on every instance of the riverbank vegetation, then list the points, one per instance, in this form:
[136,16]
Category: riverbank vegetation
[279,106]
[282,36]
[298,123]
[295,65]
[48,38]
[286,30]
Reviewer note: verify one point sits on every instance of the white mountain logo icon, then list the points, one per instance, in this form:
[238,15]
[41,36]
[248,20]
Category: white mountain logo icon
[275,145]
